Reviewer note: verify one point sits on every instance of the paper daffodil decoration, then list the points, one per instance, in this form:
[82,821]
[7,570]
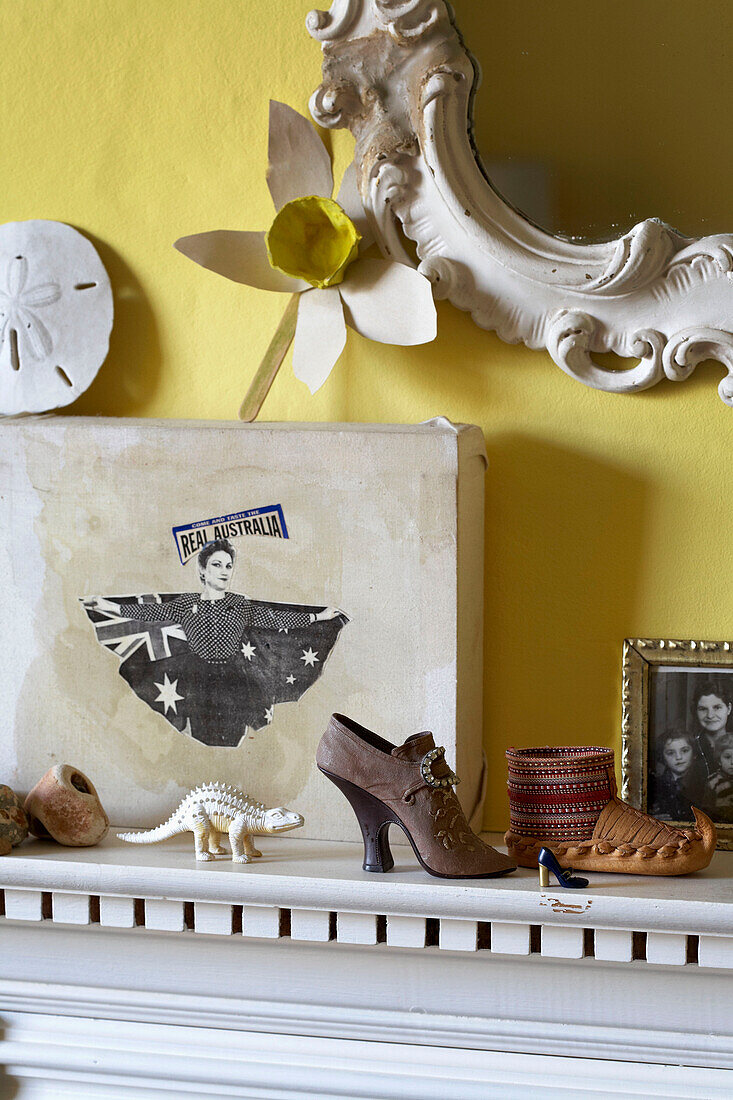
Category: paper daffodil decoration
[312,252]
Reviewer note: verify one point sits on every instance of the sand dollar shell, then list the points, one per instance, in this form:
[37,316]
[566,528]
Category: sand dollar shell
[55,315]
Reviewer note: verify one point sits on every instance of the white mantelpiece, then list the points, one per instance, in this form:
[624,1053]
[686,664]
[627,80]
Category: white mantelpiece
[301,975]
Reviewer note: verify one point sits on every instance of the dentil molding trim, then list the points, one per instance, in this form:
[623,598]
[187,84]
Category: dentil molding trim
[398,75]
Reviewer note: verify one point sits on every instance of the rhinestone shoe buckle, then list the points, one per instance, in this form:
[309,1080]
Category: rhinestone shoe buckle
[426,770]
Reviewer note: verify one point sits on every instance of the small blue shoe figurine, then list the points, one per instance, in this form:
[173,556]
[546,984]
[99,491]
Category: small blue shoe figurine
[547,863]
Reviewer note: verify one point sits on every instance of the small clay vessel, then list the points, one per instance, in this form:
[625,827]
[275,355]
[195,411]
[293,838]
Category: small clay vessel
[64,806]
[13,821]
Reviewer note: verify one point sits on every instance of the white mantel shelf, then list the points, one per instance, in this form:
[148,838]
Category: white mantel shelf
[327,877]
[415,987]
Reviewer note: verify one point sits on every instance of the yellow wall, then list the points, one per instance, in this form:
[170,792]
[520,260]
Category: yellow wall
[607,516]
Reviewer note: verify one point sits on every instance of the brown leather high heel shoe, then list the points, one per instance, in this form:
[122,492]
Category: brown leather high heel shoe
[411,786]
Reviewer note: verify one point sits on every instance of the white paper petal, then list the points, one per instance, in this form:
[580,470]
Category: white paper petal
[298,162]
[319,337]
[349,200]
[389,302]
[239,256]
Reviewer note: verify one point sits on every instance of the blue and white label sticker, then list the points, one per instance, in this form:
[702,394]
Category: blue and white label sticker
[192,537]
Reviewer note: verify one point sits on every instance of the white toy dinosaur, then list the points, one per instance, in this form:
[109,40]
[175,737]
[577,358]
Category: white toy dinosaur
[216,808]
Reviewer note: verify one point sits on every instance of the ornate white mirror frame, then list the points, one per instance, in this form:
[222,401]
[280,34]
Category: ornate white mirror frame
[398,75]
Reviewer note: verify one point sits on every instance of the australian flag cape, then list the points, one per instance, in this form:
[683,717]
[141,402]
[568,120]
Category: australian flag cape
[214,679]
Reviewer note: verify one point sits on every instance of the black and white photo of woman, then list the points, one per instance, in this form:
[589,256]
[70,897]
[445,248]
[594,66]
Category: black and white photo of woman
[215,663]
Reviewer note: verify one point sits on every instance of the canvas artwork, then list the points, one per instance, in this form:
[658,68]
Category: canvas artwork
[189,602]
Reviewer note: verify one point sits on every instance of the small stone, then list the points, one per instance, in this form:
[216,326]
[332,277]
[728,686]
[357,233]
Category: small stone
[13,821]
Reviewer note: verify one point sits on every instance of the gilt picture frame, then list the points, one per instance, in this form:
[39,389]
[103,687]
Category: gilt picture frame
[677,730]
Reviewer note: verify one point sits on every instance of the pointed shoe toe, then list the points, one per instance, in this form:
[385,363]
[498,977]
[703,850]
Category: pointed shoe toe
[628,841]
[410,786]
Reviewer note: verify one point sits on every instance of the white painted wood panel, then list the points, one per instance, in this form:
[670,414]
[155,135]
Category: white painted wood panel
[458,935]
[613,945]
[116,912]
[562,942]
[356,928]
[310,924]
[716,951]
[111,1059]
[430,998]
[212,918]
[270,888]
[405,931]
[164,915]
[262,921]
[666,948]
[508,938]
[23,904]
[463,999]
[70,908]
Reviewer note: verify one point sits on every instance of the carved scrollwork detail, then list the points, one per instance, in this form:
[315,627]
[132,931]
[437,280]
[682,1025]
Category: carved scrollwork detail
[442,273]
[390,180]
[691,346]
[398,74]
[407,20]
[572,337]
[327,25]
[331,104]
[640,256]
[386,187]
[440,82]
[710,256]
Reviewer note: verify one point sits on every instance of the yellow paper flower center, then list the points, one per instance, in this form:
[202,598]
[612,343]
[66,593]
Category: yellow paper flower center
[312,239]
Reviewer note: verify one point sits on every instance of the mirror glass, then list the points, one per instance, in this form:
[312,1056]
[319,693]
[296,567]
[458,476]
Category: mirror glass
[591,117]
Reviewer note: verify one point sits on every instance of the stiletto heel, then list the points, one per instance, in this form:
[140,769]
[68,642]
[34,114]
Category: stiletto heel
[547,862]
[374,820]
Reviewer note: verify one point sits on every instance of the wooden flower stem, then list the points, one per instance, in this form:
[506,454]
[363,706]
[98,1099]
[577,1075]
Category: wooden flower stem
[271,363]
